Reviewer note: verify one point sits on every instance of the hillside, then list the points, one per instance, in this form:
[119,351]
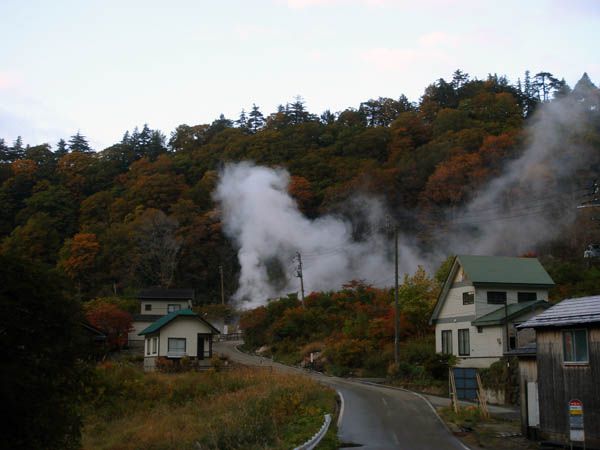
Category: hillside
[141,212]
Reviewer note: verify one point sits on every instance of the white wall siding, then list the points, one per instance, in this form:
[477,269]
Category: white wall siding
[485,347]
[159,307]
[138,326]
[453,306]
[511,297]
[184,327]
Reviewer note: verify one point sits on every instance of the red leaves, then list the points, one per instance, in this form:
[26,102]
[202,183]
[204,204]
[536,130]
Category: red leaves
[113,321]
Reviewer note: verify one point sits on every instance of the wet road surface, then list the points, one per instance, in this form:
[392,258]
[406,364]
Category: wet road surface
[372,417]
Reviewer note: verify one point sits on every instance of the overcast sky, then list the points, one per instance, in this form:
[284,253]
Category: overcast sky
[103,67]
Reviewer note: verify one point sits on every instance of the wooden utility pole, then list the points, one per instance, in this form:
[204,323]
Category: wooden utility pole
[396,303]
[222,286]
[301,276]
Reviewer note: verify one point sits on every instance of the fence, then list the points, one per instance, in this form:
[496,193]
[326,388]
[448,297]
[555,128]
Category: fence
[314,441]
[230,337]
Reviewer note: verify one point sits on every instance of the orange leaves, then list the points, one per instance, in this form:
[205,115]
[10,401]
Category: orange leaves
[24,168]
[301,190]
[80,254]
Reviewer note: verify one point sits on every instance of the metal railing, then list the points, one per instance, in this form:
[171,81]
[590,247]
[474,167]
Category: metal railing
[314,441]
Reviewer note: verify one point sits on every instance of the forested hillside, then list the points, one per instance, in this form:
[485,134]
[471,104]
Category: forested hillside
[140,212]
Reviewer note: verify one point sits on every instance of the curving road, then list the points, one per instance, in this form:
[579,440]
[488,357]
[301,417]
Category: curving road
[372,417]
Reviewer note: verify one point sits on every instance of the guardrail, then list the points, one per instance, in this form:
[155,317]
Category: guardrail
[314,441]
[230,337]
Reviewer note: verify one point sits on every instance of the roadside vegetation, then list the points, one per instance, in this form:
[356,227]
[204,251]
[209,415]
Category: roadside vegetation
[241,408]
[351,332]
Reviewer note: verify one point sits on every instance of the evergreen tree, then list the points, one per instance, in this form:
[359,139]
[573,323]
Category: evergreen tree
[256,119]
[17,151]
[327,118]
[61,148]
[4,152]
[544,83]
[459,79]
[242,122]
[79,143]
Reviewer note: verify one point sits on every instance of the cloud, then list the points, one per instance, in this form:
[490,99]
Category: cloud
[431,48]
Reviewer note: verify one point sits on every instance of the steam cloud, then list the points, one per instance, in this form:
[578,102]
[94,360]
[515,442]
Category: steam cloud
[512,214]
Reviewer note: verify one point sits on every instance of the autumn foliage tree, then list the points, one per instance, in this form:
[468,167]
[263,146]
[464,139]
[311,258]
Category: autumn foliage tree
[109,318]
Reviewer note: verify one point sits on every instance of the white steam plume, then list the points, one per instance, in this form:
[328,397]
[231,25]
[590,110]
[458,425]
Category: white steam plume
[530,203]
[268,228]
[535,198]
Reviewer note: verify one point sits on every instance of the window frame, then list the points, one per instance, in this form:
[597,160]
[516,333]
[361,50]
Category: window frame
[176,352]
[519,294]
[464,347]
[496,301]
[172,307]
[573,343]
[447,340]
[148,307]
[470,295]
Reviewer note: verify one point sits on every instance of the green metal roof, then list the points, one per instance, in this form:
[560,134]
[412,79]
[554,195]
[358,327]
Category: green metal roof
[504,270]
[513,310]
[170,317]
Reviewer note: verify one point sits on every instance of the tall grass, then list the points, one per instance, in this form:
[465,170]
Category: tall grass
[239,409]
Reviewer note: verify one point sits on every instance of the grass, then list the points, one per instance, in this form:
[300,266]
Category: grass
[479,433]
[240,408]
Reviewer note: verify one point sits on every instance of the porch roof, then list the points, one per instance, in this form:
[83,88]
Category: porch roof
[513,311]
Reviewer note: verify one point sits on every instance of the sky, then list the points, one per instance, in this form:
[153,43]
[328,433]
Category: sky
[104,67]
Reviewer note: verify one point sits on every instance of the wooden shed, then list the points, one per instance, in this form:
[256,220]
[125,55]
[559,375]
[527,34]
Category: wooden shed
[565,370]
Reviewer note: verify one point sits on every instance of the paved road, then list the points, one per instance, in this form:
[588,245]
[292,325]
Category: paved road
[376,418]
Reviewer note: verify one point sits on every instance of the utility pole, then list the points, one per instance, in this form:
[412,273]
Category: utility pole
[396,303]
[222,286]
[300,275]
[507,346]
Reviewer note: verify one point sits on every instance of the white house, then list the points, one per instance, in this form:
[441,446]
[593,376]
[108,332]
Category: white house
[482,300]
[181,333]
[154,304]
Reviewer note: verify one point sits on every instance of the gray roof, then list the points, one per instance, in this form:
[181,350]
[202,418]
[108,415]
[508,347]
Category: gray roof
[528,350]
[166,294]
[572,311]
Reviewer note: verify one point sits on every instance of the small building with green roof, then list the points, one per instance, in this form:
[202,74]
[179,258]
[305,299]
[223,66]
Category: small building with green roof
[179,334]
[481,302]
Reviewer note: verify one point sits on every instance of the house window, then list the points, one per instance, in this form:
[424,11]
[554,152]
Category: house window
[468,298]
[147,307]
[177,346]
[464,347]
[496,298]
[575,346]
[147,342]
[154,345]
[526,296]
[173,307]
[447,342]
